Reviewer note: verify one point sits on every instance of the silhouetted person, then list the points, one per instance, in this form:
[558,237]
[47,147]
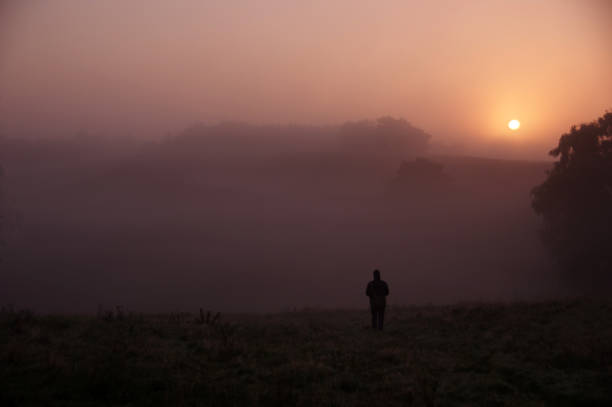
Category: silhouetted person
[377,290]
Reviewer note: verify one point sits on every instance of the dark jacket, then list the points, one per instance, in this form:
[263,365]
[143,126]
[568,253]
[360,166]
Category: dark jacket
[377,290]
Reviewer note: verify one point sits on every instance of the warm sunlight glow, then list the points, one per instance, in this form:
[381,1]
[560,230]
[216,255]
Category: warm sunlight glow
[514,124]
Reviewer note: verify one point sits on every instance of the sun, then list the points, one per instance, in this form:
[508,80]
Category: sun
[514,124]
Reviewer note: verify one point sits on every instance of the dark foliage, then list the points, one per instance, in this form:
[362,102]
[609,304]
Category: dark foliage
[575,202]
[2,214]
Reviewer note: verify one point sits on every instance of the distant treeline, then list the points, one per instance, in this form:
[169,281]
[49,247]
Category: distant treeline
[381,136]
[386,135]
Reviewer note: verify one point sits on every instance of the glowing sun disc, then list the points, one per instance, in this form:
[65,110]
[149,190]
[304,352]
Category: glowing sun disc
[514,124]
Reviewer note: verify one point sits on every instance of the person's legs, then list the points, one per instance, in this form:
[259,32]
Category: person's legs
[381,317]
[374,317]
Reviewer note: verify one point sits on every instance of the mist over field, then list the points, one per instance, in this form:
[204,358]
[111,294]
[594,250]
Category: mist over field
[175,155]
[305,203]
[235,217]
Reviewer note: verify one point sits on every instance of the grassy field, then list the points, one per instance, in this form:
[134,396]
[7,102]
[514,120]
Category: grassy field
[553,353]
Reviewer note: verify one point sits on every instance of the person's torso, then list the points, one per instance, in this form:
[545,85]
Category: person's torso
[378,289]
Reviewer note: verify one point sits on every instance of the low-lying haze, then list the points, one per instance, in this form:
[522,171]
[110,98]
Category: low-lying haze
[171,155]
[234,217]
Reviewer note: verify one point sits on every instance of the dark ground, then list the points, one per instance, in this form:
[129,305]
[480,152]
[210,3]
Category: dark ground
[528,354]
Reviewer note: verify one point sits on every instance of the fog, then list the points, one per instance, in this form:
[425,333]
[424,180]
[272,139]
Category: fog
[236,217]
[260,156]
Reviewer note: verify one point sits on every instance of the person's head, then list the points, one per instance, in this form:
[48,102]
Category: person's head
[376,275]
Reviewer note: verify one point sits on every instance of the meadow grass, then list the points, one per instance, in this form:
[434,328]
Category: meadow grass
[527,354]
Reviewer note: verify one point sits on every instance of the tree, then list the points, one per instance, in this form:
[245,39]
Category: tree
[2,215]
[421,178]
[575,202]
[385,135]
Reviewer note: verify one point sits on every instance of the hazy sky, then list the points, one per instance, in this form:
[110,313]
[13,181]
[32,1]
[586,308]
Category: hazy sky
[455,68]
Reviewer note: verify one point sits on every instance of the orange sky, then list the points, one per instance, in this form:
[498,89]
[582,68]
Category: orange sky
[458,69]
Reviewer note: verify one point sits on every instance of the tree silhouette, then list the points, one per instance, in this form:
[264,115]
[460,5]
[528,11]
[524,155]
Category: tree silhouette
[421,178]
[2,215]
[575,202]
[384,135]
